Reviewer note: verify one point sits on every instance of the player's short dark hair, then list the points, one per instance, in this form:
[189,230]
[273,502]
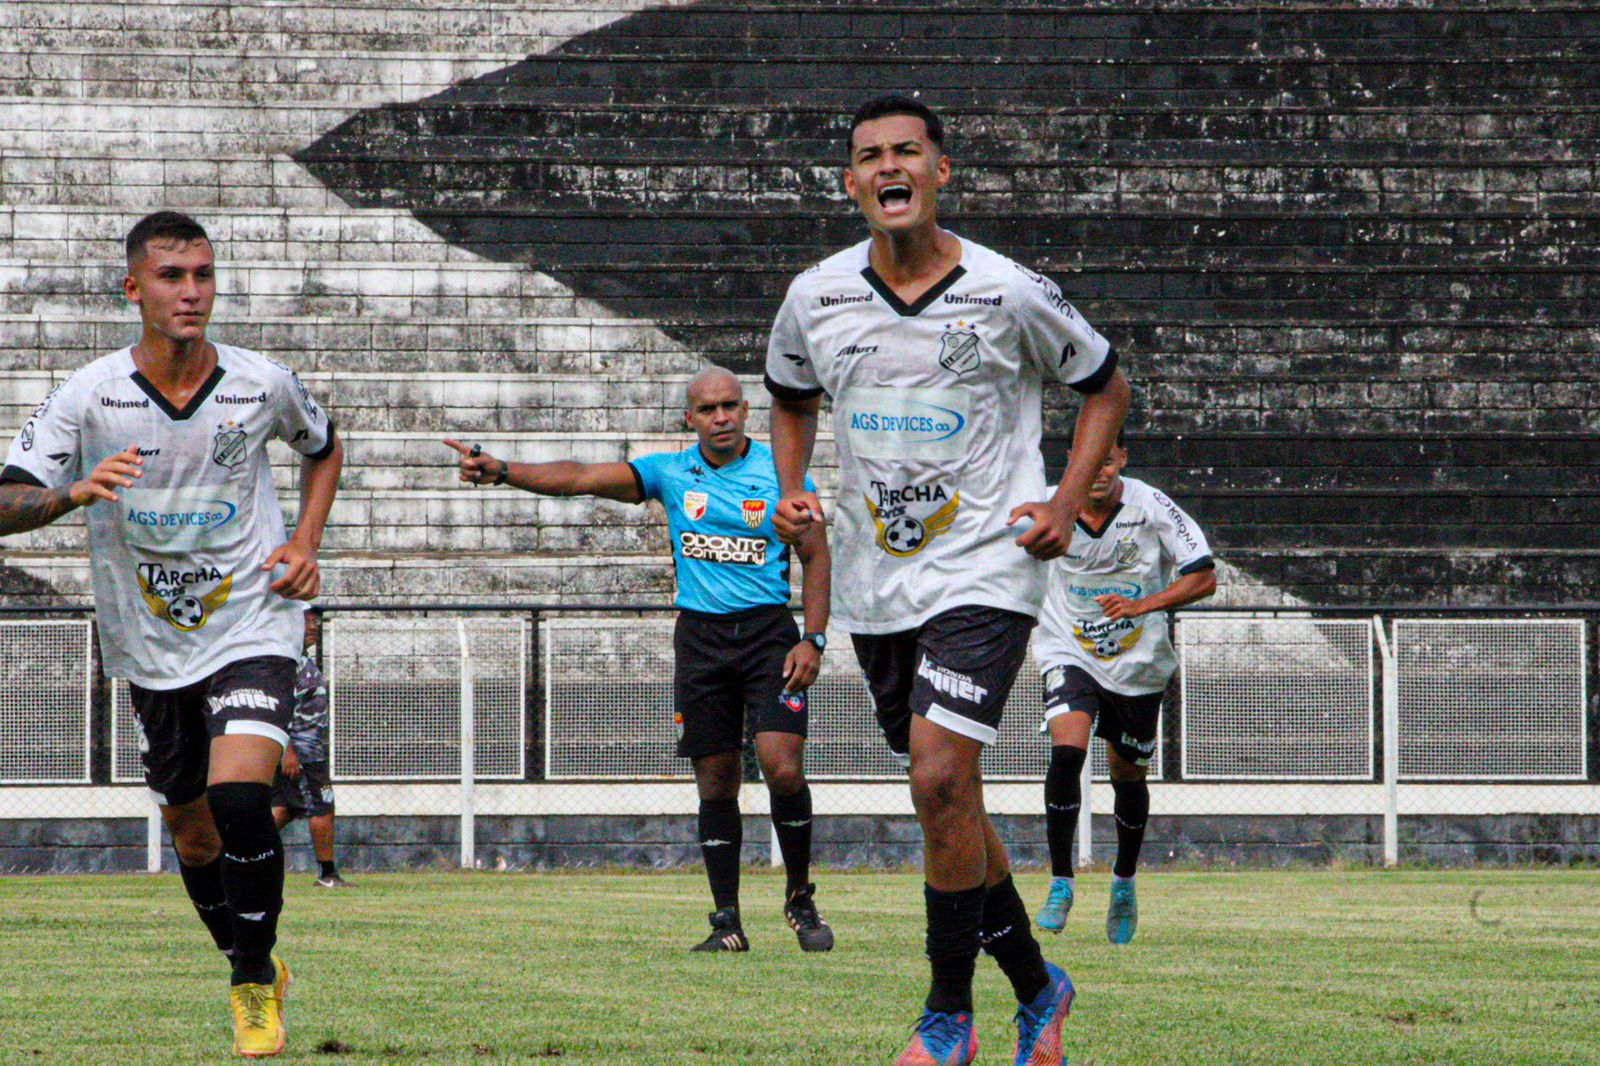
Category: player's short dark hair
[880,106]
[162,226]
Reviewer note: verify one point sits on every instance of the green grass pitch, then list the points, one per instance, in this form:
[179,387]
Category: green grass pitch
[1478,968]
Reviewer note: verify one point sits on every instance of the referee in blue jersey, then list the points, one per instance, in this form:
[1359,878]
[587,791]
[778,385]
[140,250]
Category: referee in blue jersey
[736,646]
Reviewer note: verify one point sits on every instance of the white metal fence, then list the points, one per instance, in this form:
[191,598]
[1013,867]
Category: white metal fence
[1296,718]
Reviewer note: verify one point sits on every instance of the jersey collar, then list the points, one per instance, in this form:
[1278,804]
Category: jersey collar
[729,466]
[1110,518]
[911,310]
[187,410]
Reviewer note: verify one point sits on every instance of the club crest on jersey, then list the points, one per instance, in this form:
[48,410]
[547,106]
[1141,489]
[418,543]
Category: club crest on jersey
[958,349]
[1127,552]
[166,594]
[228,447]
[694,505]
[900,533]
[754,512]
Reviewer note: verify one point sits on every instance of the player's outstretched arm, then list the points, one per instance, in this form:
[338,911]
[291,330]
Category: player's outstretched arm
[614,481]
[794,437]
[319,482]
[1098,422]
[24,507]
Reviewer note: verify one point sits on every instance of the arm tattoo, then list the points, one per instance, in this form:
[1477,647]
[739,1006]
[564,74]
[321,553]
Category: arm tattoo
[25,507]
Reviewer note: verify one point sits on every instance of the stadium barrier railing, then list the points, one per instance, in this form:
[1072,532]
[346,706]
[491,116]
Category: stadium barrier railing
[510,735]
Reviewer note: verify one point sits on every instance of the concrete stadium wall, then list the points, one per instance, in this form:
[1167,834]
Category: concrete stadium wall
[1349,252]
[389,843]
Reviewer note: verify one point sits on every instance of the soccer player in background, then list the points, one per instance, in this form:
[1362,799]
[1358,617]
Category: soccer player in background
[736,648]
[303,785]
[1106,655]
[934,350]
[165,443]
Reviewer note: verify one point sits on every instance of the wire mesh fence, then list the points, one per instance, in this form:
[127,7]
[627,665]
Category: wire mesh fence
[546,735]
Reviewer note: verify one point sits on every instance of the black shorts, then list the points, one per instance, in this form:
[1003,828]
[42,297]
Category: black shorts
[1128,723]
[730,665]
[311,792]
[955,670]
[176,726]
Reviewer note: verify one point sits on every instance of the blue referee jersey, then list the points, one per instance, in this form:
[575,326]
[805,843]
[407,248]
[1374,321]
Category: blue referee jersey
[727,555]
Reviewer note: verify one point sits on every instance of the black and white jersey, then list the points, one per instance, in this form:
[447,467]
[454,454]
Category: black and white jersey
[1148,542]
[178,585]
[936,415]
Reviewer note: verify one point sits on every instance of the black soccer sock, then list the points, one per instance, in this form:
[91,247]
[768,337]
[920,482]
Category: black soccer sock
[721,839]
[252,874]
[1063,802]
[204,885]
[328,868]
[791,820]
[955,930]
[1007,938]
[1132,808]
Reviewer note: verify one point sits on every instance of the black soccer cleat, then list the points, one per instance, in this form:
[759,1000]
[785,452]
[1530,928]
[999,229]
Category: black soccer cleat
[726,933]
[800,911]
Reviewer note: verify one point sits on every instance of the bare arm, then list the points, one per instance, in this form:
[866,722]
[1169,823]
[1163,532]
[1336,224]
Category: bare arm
[1182,592]
[614,481]
[794,437]
[319,482]
[1098,422]
[816,578]
[24,507]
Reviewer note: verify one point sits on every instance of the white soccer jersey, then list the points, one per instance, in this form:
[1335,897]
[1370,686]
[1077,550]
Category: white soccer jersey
[178,586]
[936,421]
[1148,542]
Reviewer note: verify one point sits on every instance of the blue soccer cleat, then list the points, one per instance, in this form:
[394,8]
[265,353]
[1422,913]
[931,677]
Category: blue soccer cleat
[1057,904]
[941,1040]
[1122,918]
[1039,1022]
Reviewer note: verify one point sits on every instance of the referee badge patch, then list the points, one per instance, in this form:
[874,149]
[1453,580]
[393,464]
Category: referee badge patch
[754,512]
[795,701]
[694,505]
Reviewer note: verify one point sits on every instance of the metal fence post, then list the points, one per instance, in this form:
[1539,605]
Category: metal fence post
[1391,746]
[152,839]
[468,752]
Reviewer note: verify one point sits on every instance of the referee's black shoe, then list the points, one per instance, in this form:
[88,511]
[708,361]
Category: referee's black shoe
[800,911]
[726,933]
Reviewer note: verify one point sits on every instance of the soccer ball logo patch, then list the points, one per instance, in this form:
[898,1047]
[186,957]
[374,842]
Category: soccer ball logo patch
[186,612]
[903,535]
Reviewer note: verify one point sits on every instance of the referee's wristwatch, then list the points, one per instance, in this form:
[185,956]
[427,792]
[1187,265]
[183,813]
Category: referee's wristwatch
[819,639]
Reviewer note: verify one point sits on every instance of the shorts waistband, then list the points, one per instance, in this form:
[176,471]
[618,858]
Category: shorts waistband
[732,617]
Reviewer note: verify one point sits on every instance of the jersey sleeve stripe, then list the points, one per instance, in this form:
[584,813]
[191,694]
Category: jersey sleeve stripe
[789,392]
[1205,562]
[1097,381]
[16,474]
[327,449]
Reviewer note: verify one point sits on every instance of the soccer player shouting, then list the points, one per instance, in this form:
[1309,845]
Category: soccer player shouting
[736,648]
[934,350]
[1106,656]
[165,443]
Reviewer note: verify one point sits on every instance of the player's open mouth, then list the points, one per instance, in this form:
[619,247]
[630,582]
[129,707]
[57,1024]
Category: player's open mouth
[895,198]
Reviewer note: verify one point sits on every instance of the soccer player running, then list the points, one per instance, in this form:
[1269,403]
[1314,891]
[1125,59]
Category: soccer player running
[1106,656]
[304,785]
[735,646]
[165,443]
[934,350]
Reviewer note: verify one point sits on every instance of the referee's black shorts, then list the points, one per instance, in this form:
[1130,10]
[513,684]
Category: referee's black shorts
[730,665]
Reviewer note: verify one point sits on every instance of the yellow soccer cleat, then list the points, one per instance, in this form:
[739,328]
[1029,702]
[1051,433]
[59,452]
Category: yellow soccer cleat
[280,988]
[257,1021]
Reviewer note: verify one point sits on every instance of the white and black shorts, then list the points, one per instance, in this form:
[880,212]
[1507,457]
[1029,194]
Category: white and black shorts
[310,792]
[1127,723]
[176,726]
[956,670]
